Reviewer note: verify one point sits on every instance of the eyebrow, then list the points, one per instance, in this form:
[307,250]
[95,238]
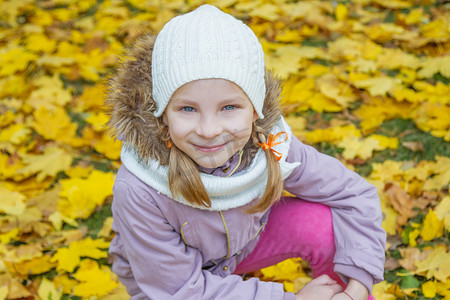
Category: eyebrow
[186,101]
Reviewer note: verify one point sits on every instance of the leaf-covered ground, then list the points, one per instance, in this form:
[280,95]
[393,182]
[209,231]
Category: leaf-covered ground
[365,81]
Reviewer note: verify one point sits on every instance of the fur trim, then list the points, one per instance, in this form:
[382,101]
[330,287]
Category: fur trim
[131,106]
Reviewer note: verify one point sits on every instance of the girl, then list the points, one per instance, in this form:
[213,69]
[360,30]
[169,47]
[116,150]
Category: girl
[206,157]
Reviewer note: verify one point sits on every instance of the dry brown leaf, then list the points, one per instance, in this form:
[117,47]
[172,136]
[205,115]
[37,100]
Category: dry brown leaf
[410,255]
[401,202]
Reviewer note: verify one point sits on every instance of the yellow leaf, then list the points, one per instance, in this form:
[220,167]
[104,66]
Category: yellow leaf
[54,124]
[57,220]
[17,134]
[3,292]
[396,58]
[412,236]
[429,289]
[415,16]
[50,93]
[69,258]
[47,290]
[13,85]
[106,229]
[79,197]
[341,12]
[92,97]
[79,171]
[119,293]
[332,134]
[432,227]
[94,281]
[286,270]
[433,65]
[12,202]
[330,86]
[39,42]
[442,211]
[53,161]
[435,29]
[7,237]
[266,11]
[289,36]
[65,283]
[394,3]
[389,220]
[354,147]
[109,146]
[98,121]
[284,62]
[436,265]
[441,174]
[15,59]
[385,142]
[34,266]
[381,291]
[378,86]
[345,48]
[363,65]
[320,103]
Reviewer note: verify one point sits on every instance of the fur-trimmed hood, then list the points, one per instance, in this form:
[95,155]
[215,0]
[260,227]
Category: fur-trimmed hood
[131,106]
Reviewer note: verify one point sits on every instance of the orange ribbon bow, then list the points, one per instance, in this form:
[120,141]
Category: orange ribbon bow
[271,142]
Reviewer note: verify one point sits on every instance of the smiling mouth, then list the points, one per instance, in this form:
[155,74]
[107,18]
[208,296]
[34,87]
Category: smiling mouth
[209,148]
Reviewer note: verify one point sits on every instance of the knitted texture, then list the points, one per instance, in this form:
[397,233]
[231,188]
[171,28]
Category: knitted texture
[207,43]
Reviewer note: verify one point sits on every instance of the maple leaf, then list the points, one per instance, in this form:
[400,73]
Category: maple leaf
[401,202]
[354,147]
[381,291]
[94,281]
[53,161]
[47,290]
[70,257]
[53,124]
[378,86]
[50,93]
[37,265]
[12,202]
[442,211]
[437,264]
[79,197]
[266,11]
[396,58]
[432,227]
[429,289]
[433,65]
[330,86]
[16,134]
[92,97]
[286,270]
[15,59]
[109,146]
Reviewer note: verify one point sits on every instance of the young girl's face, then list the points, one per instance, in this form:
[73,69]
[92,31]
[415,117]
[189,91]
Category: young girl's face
[210,120]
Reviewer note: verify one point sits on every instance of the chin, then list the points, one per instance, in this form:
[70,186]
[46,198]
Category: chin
[209,164]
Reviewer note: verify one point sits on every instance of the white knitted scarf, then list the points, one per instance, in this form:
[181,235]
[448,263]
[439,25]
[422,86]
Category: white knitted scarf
[224,192]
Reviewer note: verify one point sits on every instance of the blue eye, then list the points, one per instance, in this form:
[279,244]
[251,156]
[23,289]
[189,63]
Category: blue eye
[229,107]
[188,108]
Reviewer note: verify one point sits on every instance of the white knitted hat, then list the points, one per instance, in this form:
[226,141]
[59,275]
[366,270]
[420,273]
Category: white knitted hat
[207,43]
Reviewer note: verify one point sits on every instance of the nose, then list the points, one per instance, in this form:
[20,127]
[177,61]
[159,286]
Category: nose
[209,126]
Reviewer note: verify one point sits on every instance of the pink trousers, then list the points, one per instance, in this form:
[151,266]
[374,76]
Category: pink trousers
[296,228]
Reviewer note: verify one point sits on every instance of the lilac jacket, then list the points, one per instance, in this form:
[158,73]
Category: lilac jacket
[166,250]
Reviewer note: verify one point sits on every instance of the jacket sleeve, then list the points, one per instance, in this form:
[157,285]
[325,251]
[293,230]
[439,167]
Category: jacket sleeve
[162,266]
[355,206]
